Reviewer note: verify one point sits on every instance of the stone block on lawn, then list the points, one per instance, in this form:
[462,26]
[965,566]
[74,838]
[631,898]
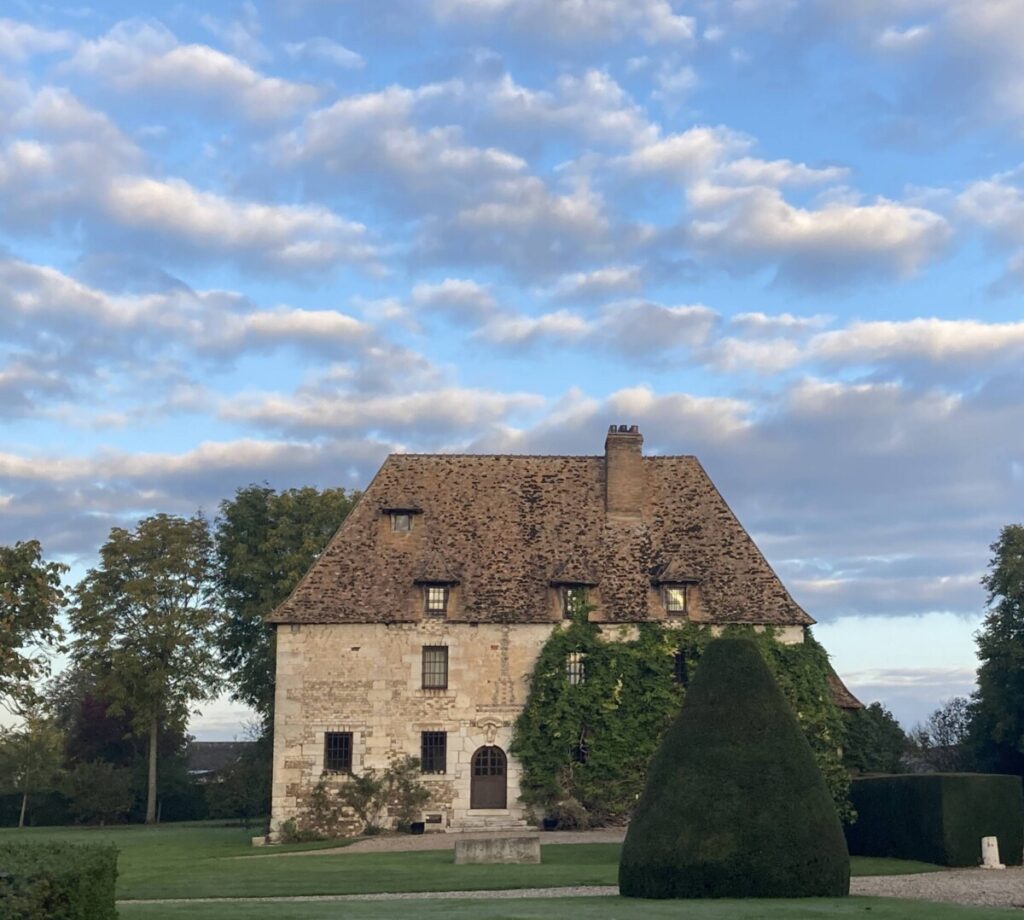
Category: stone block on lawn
[519,850]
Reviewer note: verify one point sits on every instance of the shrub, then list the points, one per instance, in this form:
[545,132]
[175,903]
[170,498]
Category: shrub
[57,881]
[734,804]
[99,792]
[938,817]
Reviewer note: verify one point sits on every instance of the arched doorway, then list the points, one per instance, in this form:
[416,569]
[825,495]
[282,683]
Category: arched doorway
[488,787]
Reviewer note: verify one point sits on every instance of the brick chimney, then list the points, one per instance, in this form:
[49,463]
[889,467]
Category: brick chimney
[623,464]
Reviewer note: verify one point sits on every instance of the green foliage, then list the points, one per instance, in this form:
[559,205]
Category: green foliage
[365,794]
[997,724]
[941,742]
[938,817]
[30,758]
[734,804]
[875,743]
[265,542]
[243,788]
[57,881]
[615,718]
[99,792]
[144,624]
[405,794]
[31,599]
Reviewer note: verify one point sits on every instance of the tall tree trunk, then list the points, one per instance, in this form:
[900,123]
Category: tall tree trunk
[24,804]
[151,790]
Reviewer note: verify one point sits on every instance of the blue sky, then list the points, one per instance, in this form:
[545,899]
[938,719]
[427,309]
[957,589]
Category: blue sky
[273,242]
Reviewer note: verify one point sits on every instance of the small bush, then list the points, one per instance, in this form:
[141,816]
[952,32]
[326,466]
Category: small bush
[57,881]
[99,792]
[938,817]
[735,804]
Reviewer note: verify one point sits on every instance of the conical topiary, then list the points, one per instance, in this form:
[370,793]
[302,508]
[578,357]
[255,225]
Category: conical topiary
[734,805]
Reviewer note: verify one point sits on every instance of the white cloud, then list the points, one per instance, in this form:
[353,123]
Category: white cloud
[574,21]
[691,154]
[900,40]
[461,299]
[752,171]
[286,236]
[428,414]
[144,57]
[599,283]
[747,227]
[326,49]
[21,40]
[935,340]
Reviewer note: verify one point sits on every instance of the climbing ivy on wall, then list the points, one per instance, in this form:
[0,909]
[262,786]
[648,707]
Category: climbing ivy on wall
[584,746]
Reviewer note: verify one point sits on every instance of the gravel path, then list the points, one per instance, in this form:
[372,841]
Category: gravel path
[1003,888]
[986,887]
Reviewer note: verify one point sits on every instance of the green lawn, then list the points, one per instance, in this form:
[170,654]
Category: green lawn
[190,861]
[596,908]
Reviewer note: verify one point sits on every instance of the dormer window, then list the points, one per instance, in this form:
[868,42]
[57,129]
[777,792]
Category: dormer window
[401,521]
[574,599]
[435,600]
[676,600]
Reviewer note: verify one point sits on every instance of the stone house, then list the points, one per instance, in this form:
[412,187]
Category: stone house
[416,630]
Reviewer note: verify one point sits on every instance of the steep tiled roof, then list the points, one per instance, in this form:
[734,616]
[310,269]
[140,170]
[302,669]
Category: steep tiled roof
[506,528]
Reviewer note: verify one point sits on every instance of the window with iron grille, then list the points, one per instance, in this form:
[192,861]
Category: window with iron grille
[434,752]
[338,752]
[574,598]
[435,667]
[682,671]
[436,597]
[575,669]
[675,600]
[401,522]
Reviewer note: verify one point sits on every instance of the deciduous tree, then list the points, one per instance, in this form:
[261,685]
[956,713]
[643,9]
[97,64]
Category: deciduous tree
[30,758]
[875,742]
[31,598]
[941,742]
[144,624]
[266,541]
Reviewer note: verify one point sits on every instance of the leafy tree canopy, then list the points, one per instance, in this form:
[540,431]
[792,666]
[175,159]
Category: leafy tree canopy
[875,742]
[30,600]
[30,758]
[997,724]
[144,624]
[941,741]
[265,542]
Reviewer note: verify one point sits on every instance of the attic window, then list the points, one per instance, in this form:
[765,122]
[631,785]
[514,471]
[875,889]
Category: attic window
[401,521]
[676,597]
[436,600]
[574,599]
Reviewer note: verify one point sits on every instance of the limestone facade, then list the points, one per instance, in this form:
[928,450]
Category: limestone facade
[367,679]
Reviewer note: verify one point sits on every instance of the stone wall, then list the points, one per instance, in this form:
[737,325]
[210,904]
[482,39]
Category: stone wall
[366,679]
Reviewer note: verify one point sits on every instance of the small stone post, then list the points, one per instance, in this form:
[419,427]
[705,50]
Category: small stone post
[990,853]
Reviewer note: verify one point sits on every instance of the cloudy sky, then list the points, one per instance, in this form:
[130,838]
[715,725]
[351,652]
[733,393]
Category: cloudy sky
[273,242]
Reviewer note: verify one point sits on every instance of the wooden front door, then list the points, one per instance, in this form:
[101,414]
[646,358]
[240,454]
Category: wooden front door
[488,787]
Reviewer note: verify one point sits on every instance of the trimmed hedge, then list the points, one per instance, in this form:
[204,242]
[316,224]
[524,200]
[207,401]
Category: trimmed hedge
[735,805]
[57,881]
[938,817]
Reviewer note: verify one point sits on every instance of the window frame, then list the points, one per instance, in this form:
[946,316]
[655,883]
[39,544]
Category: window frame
[338,760]
[568,593]
[434,748]
[677,611]
[434,674]
[576,668]
[436,613]
[404,516]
